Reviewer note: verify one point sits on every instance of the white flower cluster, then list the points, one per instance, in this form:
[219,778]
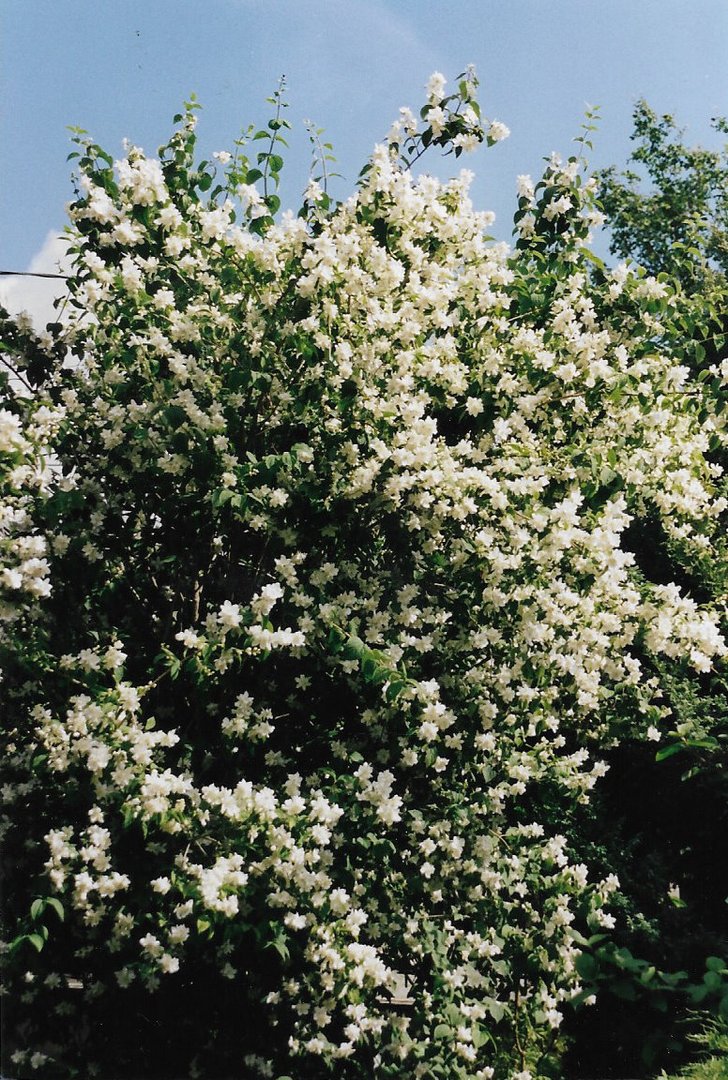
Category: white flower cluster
[349,513]
[26,475]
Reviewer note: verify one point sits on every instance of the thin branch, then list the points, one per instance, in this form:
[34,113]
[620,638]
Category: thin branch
[519,1047]
[16,373]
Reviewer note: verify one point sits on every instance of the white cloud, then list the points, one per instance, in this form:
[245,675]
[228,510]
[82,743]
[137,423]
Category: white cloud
[36,295]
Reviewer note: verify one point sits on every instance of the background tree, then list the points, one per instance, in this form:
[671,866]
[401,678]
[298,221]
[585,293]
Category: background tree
[678,223]
[670,215]
[668,212]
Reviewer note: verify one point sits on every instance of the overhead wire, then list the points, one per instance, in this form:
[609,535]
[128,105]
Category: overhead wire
[30,273]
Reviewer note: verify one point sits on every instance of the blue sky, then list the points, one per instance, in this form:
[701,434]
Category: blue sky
[123,67]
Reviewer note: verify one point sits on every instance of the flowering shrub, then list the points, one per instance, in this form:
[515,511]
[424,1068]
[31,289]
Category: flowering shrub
[318,613]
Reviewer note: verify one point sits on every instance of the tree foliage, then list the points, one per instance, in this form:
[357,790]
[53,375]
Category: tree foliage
[669,815]
[320,617]
[679,223]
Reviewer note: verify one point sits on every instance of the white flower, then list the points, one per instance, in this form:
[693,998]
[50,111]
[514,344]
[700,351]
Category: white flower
[189,639]
[114,656]
[151,945]
[11,437]
[339,901]
[168,964]
[435,118]
[428,731]
[229,615]
[269,595]
[467,141]
[558,207]
[525,188]
[436,87]
[498,131]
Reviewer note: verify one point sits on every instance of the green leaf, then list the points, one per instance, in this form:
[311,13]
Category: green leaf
[668,751]
[587,966]
[55,903]
[624,989]
[480,1036]
[37,908]
[496,1009]
[672,978]
[713,980]
[36,940]
[394,689]
[279,944]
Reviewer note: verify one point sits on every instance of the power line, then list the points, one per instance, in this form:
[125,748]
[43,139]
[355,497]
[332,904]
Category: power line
[29,273]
